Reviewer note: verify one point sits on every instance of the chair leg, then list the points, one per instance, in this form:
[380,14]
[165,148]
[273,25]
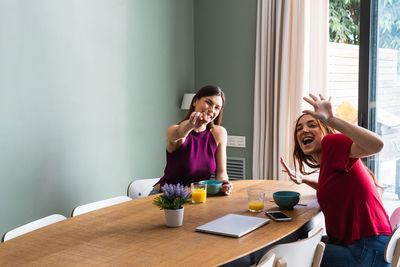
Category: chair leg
[319,252]
[396,255]
[280,263]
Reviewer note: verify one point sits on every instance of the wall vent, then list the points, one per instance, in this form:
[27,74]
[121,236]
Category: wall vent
[236,168]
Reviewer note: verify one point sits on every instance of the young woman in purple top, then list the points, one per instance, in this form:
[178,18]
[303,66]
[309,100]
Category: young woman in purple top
[196,146]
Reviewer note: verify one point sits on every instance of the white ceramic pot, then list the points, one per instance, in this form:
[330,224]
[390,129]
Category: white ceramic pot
[174,218]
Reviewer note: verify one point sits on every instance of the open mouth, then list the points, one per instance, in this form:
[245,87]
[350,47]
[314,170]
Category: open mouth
[307,140]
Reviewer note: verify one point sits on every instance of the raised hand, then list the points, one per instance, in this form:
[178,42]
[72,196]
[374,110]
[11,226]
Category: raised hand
[197,119]
[322,108]
[292,174]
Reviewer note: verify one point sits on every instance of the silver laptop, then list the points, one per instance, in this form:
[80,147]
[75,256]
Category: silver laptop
[233,225]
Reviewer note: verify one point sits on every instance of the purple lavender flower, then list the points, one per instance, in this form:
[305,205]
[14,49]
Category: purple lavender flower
[182,191]
[175,195]
[172,191]
[168,191]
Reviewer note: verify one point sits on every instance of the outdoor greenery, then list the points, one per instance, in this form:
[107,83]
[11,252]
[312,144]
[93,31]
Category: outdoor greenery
[344,21]
[389,24]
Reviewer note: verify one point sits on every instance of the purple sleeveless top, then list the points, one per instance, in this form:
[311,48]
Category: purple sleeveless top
[193,161]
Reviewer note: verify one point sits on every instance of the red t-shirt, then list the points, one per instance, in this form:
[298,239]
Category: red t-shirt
[347,194]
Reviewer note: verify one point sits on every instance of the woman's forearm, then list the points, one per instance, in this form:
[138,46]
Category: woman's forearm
[367,143]
[221,136]
[176,132]
[222,176]
[311,183]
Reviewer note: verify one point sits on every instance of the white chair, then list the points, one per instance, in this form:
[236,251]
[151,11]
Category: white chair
[303,253]
[141,188]
[268,261]
[392,249]
[395,218]
[26,228]
[98,205]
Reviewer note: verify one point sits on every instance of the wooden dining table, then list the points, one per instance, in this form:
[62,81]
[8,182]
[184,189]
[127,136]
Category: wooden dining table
[134,233]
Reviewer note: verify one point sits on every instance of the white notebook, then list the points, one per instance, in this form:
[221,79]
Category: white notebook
[233,225]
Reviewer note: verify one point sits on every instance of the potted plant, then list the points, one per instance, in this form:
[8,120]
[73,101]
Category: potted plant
[171,201]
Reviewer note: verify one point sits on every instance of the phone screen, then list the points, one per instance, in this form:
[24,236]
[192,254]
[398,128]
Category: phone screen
[278,215]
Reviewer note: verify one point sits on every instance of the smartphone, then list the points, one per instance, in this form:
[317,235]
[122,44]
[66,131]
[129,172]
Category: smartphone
[278,216]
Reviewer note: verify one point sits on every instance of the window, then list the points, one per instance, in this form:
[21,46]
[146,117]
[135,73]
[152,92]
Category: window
[364,78]
[343,57]
[380,88]
[387,119]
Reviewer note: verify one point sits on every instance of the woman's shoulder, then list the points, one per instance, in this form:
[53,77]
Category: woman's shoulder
[219,130]
[336,143]
[219,133]
[335,138]
[173,126]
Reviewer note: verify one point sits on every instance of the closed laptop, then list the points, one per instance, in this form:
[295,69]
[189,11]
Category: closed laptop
[233,225]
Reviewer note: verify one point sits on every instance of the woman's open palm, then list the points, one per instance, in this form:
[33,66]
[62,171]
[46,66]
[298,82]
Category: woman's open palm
[322,108]
[292,174]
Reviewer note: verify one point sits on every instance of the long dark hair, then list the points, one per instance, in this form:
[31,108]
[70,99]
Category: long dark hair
[208,90]
[302,159]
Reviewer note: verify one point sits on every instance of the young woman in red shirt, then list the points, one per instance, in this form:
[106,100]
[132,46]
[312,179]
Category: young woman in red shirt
[355,219]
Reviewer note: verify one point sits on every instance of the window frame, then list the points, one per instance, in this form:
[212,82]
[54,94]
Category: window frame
[367,75]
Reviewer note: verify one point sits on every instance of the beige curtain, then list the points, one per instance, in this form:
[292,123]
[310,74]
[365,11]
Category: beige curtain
[291,56]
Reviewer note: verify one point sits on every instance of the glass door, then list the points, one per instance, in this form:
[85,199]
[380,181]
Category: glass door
[364,79]
[343,57]
[387,119]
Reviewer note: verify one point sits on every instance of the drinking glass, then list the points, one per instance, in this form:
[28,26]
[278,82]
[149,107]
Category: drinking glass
[199,192]
[256,199]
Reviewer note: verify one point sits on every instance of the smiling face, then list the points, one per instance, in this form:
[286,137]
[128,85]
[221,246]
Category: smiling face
[309,136]
[209,99]
[211,105]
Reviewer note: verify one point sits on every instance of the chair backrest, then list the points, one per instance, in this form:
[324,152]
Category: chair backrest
[141,188]
[306,252]
[392,249]
[98,205]
[395,218]
[26,228]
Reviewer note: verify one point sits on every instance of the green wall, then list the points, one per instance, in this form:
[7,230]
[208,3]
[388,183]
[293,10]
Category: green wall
[87,89]
[225,37]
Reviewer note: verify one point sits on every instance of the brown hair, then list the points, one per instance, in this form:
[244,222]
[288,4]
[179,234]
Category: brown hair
[208,90]
[301,158]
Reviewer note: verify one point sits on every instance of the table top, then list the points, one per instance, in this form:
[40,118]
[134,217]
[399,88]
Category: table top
[134,233]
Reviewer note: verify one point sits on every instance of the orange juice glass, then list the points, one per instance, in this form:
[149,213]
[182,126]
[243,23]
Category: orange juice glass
[256,205]
[256,199]
[199,192]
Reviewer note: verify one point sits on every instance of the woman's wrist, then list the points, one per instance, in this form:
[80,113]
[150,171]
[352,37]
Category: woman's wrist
[331,121]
